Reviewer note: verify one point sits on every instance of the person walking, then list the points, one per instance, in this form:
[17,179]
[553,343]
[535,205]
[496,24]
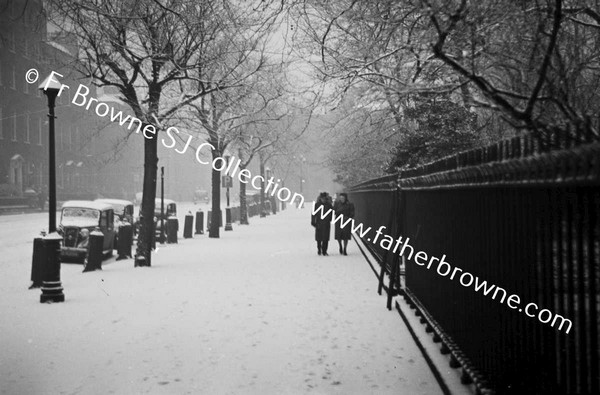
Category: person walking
[322,222]
[344,208]
[42,197]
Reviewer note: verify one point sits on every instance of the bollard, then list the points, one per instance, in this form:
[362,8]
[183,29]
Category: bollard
[154,226]
[124,241]
[188,225]
[172,228]
[94,256]
[37,263]
[52,290]
[228,219]
[199,222]
[273,205]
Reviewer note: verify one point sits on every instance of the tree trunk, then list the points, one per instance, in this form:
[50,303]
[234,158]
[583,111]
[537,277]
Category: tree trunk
[146,235]
[262,188]
[243,202]
[215,219]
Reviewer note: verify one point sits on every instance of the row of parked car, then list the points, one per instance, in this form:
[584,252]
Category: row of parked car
[80,217]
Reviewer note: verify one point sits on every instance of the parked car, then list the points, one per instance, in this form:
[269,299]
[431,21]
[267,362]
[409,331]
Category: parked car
[32,197]
[200,195]
[80,217]
[123,208]
[170,209]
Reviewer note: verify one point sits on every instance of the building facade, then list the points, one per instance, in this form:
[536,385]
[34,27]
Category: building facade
[92,156]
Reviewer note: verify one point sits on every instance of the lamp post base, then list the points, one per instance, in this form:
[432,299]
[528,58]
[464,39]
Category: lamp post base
[52,292]
[228,225]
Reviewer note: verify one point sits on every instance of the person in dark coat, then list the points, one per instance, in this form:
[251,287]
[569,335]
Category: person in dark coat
[322,222]
[344,208]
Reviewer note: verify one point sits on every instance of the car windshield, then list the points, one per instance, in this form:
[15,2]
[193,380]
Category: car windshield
[80,213]
[80,217]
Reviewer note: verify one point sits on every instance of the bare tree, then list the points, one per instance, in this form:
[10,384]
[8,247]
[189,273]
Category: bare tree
[536,63]
[222,116]
[161,57]
[533,63]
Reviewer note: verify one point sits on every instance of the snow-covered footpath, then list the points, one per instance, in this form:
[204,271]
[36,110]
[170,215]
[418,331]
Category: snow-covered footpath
[254,312]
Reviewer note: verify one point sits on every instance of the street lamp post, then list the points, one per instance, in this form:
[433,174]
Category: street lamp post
[51,87]
[52,290]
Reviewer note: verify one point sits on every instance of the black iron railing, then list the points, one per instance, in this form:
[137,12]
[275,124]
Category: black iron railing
[522,214]
[377,200]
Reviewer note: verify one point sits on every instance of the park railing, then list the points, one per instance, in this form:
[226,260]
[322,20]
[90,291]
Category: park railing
[377,202]
[522,214]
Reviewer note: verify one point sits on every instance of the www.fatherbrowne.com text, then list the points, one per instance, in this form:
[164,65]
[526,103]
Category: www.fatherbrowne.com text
[445,269]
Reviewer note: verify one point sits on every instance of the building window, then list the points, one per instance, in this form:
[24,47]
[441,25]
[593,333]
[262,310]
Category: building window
[11,44]
[14,134]
[27,130]
[13,83]
[40,131]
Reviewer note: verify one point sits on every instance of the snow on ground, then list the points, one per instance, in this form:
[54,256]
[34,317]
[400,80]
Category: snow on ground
[255,312]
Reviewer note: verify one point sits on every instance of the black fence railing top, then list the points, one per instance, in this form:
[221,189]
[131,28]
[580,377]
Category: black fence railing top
[521,160]
[528,159]
[385,183]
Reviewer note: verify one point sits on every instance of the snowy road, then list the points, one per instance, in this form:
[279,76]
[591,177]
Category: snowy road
[255,312]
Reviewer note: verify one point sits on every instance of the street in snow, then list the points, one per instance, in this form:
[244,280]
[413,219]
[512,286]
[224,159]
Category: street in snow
[253,312]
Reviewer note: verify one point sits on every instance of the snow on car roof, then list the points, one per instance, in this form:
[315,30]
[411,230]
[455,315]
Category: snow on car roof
[121,202]
[87,204]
